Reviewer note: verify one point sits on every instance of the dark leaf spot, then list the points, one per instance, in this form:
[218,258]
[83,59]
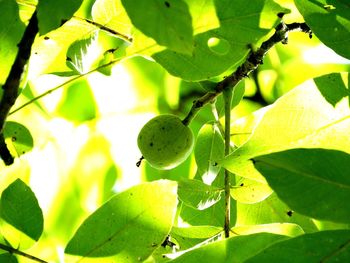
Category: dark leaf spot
[14,138]
[151,144]
[281,14]
[290,213]
[167,4]
[46,38]
[242,184]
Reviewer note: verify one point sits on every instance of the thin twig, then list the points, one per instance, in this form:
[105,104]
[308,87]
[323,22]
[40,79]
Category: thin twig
[12,250]
[13,80]
[254,59]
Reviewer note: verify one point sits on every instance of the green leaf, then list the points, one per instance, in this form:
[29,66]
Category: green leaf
[326,246]
[330,23]
[20,208]
[197,194]
[303,177]
[233,250]
[209,147]
[271,210]
[79,54]
[111,14]
[52,14]
[8,258]
[302,118]
[168,22]
[332,87]
[131,225]
[11,30]
[226,46]
[286,229]
[18,138]
[250,191]
[78,103]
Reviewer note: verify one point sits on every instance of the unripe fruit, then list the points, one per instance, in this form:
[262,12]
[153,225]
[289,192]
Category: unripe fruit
[165,141]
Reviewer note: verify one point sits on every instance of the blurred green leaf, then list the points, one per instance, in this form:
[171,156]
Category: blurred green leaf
[330,23]
[240,26]
[18,138]
[168,22]
[78,103]
[327,246]
[209,147]
[302,118]
[310,181]
[125,225]
[8,258]
[234,249]
[52,14]
[11,30]
[197,194]
[20,208]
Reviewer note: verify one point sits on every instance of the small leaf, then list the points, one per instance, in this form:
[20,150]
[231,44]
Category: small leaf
[197,194]
[131,225]
[20,208]
[330,23]
[209,147]
[312,182]
[52,14]
[168,22]
[326,246]
[233,250]
[18,138]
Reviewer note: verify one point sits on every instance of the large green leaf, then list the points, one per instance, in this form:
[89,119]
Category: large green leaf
[52,14]
[302,118]
[197,194]
[219,49]
[329,21]
[314,182]
[272,210]
[168,22]
[20,208]
[131,225]
[11,30]
[327,246]
[8,258]
[233,250]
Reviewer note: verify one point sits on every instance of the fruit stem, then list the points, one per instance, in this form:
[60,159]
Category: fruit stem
[227,94]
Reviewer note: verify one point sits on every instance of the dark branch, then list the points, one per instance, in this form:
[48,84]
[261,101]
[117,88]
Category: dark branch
[12,83]
[254,59]
[18,252]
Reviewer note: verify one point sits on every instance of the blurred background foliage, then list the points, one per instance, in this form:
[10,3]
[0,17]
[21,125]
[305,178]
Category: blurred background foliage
[85,132]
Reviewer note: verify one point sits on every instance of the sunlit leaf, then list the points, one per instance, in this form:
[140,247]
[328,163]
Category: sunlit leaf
[219,49]
[302,118]
[310,181]
[209,147]
[197,194]
[168,22]
[327,246]
[250,191]
[20,208]
[330,23]
[234,249]
[286,229]
[52,14]
[18,138]
[124,226]
[11,30]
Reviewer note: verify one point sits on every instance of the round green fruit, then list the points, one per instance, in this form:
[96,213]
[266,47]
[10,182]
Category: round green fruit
[165,141]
